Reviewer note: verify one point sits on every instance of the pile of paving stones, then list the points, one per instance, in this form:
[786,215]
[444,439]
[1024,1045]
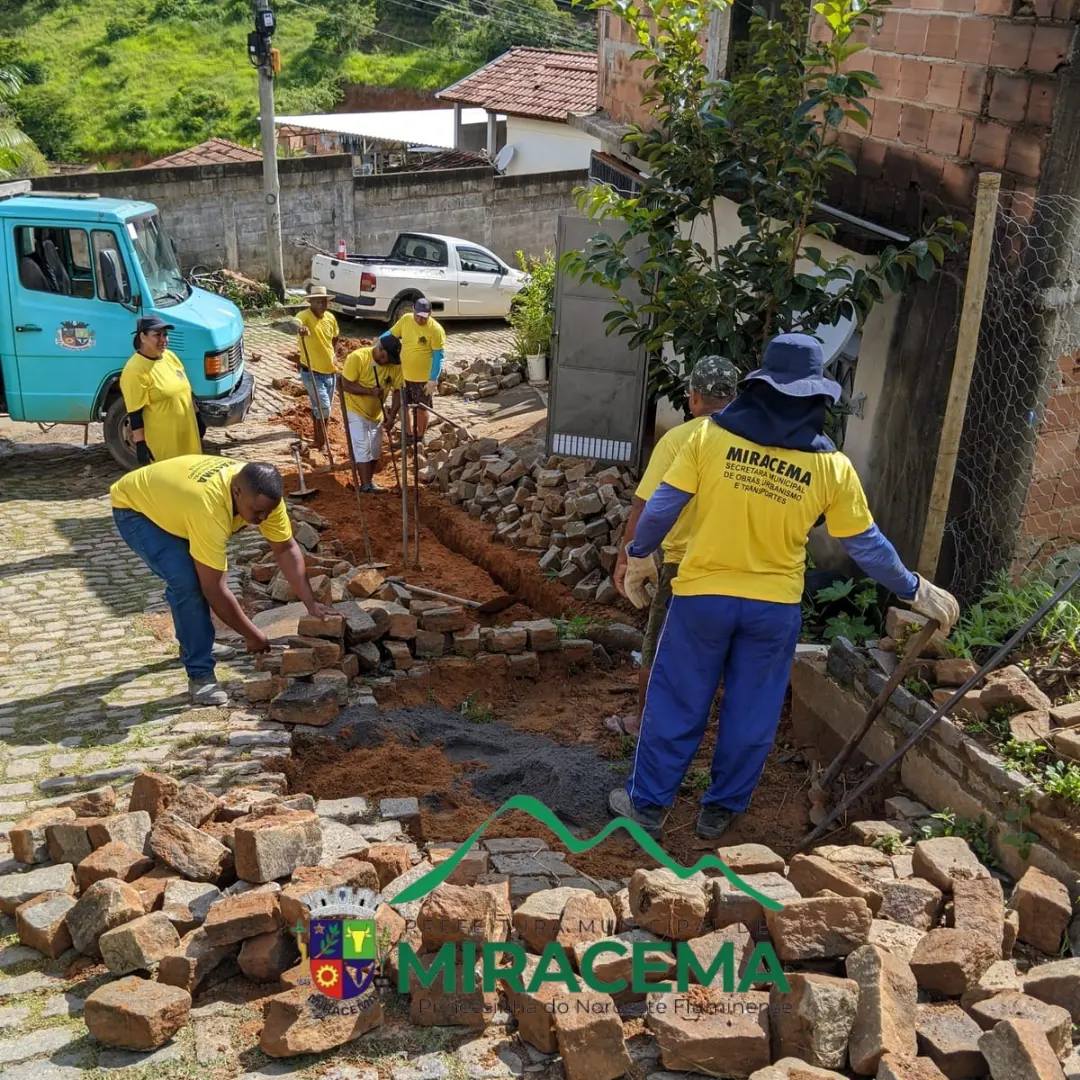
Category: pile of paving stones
[572,512]
[900,967]
[482,378]
[380,630]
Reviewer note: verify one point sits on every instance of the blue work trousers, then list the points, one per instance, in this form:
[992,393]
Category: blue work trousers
[168,558]
[747,644]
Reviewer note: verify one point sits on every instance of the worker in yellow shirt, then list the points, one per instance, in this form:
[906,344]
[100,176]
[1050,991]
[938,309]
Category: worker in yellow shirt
[422,343]
[319,334]
[712,385]
[760,473]
[157,396]
[177,516]
[367,376]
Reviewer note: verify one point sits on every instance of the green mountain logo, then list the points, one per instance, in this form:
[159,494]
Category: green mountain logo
[550,820]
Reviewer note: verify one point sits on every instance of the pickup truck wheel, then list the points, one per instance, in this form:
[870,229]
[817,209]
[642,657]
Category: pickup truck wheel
[402,307]
[118,440]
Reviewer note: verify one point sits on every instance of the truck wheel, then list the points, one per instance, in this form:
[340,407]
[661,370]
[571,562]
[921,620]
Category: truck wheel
[118,440]
[402,307]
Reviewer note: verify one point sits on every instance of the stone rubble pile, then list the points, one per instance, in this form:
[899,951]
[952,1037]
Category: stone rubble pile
[380,631]
[482,378]
[572,512]
[900,967]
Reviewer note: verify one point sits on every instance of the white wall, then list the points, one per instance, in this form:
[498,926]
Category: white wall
[542,146]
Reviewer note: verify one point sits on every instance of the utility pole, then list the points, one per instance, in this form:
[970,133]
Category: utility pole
[265,58]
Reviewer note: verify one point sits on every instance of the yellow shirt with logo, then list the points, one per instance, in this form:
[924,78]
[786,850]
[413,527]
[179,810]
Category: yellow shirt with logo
[417,344]
[161,389]
[664,453]
[754,507]
[360,367]
[190,497]
[319,344]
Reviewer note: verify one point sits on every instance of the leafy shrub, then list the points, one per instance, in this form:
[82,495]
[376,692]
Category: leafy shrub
[44,113]
[532,314]
[848,608]
[118,28]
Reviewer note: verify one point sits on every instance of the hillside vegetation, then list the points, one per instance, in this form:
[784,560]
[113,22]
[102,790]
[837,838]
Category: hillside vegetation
[118,81]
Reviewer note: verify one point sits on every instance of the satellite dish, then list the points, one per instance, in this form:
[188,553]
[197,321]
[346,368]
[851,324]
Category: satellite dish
[503,158]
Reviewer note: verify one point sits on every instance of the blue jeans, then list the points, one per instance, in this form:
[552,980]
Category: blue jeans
[315,382]
[749,644]
[168,558]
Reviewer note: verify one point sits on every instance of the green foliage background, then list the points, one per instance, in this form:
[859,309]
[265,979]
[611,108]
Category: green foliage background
[108,79]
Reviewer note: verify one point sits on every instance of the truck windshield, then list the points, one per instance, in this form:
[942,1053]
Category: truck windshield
[154,249]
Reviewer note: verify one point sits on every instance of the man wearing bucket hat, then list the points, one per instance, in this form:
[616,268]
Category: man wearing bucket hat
[318,335]
[761,473]
[713,382]
[422,343]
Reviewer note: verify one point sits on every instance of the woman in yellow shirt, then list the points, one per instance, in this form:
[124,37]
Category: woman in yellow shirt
[157,396]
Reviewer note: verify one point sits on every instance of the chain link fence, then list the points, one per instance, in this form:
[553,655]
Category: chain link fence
[1016,493]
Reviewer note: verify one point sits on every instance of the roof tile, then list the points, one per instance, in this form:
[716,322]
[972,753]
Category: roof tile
[543,83]
[211,152]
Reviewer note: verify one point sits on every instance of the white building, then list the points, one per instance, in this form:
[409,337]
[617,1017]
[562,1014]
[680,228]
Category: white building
[538,91]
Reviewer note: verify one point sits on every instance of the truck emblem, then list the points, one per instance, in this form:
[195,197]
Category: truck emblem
[74,335]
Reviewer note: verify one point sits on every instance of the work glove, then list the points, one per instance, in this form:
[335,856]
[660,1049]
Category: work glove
[142,454]
[431,386]
[935,603]
[640,582]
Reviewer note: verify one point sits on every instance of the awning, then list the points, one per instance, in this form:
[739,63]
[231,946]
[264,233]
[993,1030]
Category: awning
[413,127]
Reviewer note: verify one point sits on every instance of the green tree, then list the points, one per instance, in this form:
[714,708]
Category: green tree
[45,114]
[18,155]
[766,139]
[487,28]
[346,26]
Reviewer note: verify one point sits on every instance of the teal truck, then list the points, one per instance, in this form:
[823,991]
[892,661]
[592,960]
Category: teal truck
[78,271]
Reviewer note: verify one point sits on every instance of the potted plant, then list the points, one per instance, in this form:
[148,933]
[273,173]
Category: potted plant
[532,315]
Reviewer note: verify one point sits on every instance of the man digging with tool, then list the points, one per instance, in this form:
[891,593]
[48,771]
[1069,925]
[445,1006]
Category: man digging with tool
[318,335]
[422,343]
[177,516]
[712,385]
[761,473]
[368,374]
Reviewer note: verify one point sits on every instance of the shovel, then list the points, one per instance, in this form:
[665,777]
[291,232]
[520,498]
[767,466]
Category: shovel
[820,787]
[489,607]
[303,491]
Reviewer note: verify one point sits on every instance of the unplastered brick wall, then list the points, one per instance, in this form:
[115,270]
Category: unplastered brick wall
[1051,518]
[621,80]
[966,85]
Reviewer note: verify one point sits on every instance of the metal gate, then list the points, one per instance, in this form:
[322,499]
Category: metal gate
[596,407]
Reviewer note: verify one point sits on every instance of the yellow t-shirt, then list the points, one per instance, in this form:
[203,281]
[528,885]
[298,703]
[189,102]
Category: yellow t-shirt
[360,367]
[190,497]
[417,344]
[161,389]
[664,453]
[319,344]
[754,507]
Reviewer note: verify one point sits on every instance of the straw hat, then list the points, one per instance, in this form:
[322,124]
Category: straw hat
[318,292]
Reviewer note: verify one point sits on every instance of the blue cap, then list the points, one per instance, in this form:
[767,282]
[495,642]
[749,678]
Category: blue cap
[795,365]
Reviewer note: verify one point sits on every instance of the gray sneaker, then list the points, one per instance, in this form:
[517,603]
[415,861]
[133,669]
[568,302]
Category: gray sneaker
[221,651]
[205,692]
[651,820]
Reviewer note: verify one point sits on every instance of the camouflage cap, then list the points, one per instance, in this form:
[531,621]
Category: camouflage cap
[715,377]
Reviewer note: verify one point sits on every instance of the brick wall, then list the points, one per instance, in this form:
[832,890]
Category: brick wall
[216,213]
[1051,517]
[620,79]
[965,85]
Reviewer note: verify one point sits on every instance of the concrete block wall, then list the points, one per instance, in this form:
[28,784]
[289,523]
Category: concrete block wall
[216,213]
[965,85]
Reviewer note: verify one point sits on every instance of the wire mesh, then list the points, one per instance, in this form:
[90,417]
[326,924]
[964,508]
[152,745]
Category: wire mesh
[1016,492]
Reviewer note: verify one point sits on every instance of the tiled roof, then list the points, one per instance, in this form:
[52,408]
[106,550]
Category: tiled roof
[211,152]
[531,82]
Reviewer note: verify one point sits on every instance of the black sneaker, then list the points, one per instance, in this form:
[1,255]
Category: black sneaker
[714,821]
[371,489]
[651,820]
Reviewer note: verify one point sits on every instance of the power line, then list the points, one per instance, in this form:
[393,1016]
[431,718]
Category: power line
[558,37]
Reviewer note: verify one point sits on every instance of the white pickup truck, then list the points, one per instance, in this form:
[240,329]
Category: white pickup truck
[461,279]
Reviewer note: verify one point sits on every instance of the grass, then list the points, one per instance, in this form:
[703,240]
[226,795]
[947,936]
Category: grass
[178,72]
[475,711]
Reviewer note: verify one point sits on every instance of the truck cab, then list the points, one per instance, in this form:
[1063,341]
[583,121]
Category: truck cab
[78,271]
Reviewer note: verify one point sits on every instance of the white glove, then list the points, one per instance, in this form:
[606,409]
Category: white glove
[936,603]
[641,580]
[431,386]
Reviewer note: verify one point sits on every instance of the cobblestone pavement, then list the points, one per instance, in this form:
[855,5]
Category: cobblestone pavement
[92,691]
